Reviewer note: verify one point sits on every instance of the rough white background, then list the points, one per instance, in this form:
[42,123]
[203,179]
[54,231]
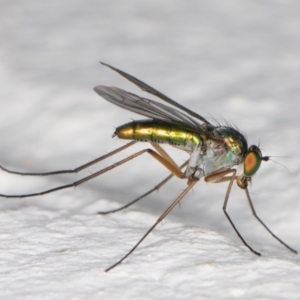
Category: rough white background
[228,59]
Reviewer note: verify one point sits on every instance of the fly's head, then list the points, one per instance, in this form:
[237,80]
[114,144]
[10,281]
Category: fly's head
[251,164]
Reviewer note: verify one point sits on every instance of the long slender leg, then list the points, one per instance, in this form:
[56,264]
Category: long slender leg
[164,154]
[174,169]
[216,178]
[191,183]
[163,182]
[263,224]
[76,170]
[220,177]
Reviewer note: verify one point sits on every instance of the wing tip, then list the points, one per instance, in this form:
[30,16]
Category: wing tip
[109,66]
[98,88]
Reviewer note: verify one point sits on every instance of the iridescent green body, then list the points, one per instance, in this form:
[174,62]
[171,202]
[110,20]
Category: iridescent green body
[226,149]
[159,132]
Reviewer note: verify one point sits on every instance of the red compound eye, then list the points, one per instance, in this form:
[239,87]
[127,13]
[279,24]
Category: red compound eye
[252,162]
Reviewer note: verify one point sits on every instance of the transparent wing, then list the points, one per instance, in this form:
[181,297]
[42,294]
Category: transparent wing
[145,87]
[146,107]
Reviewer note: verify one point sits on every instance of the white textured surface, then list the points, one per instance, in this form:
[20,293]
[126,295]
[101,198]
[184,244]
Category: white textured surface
[225,59]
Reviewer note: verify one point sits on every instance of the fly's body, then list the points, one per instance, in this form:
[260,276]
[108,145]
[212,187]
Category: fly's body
[226,150]
[160,132]
[217,153]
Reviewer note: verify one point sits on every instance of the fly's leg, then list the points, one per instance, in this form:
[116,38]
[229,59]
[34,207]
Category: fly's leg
[163,182]
[80,168]
[177,200]
[263,224]
[173,168]
[221,177]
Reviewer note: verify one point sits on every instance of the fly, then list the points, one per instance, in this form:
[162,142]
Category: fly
[216,151]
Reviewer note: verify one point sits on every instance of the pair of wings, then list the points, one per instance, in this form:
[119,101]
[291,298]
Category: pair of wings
[151,108]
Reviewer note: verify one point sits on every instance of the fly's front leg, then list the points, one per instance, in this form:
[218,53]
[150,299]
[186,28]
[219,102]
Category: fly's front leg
[222,177]
[263,224]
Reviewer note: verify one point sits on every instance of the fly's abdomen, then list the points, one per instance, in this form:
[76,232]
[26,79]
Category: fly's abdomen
[158,132]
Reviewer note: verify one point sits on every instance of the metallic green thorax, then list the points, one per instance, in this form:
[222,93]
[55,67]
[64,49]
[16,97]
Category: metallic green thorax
[234,140]
[159,132]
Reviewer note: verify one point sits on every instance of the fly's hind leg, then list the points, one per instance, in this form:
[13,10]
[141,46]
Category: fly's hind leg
[164,161]
[76,170]
[157,187]
[168,159]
